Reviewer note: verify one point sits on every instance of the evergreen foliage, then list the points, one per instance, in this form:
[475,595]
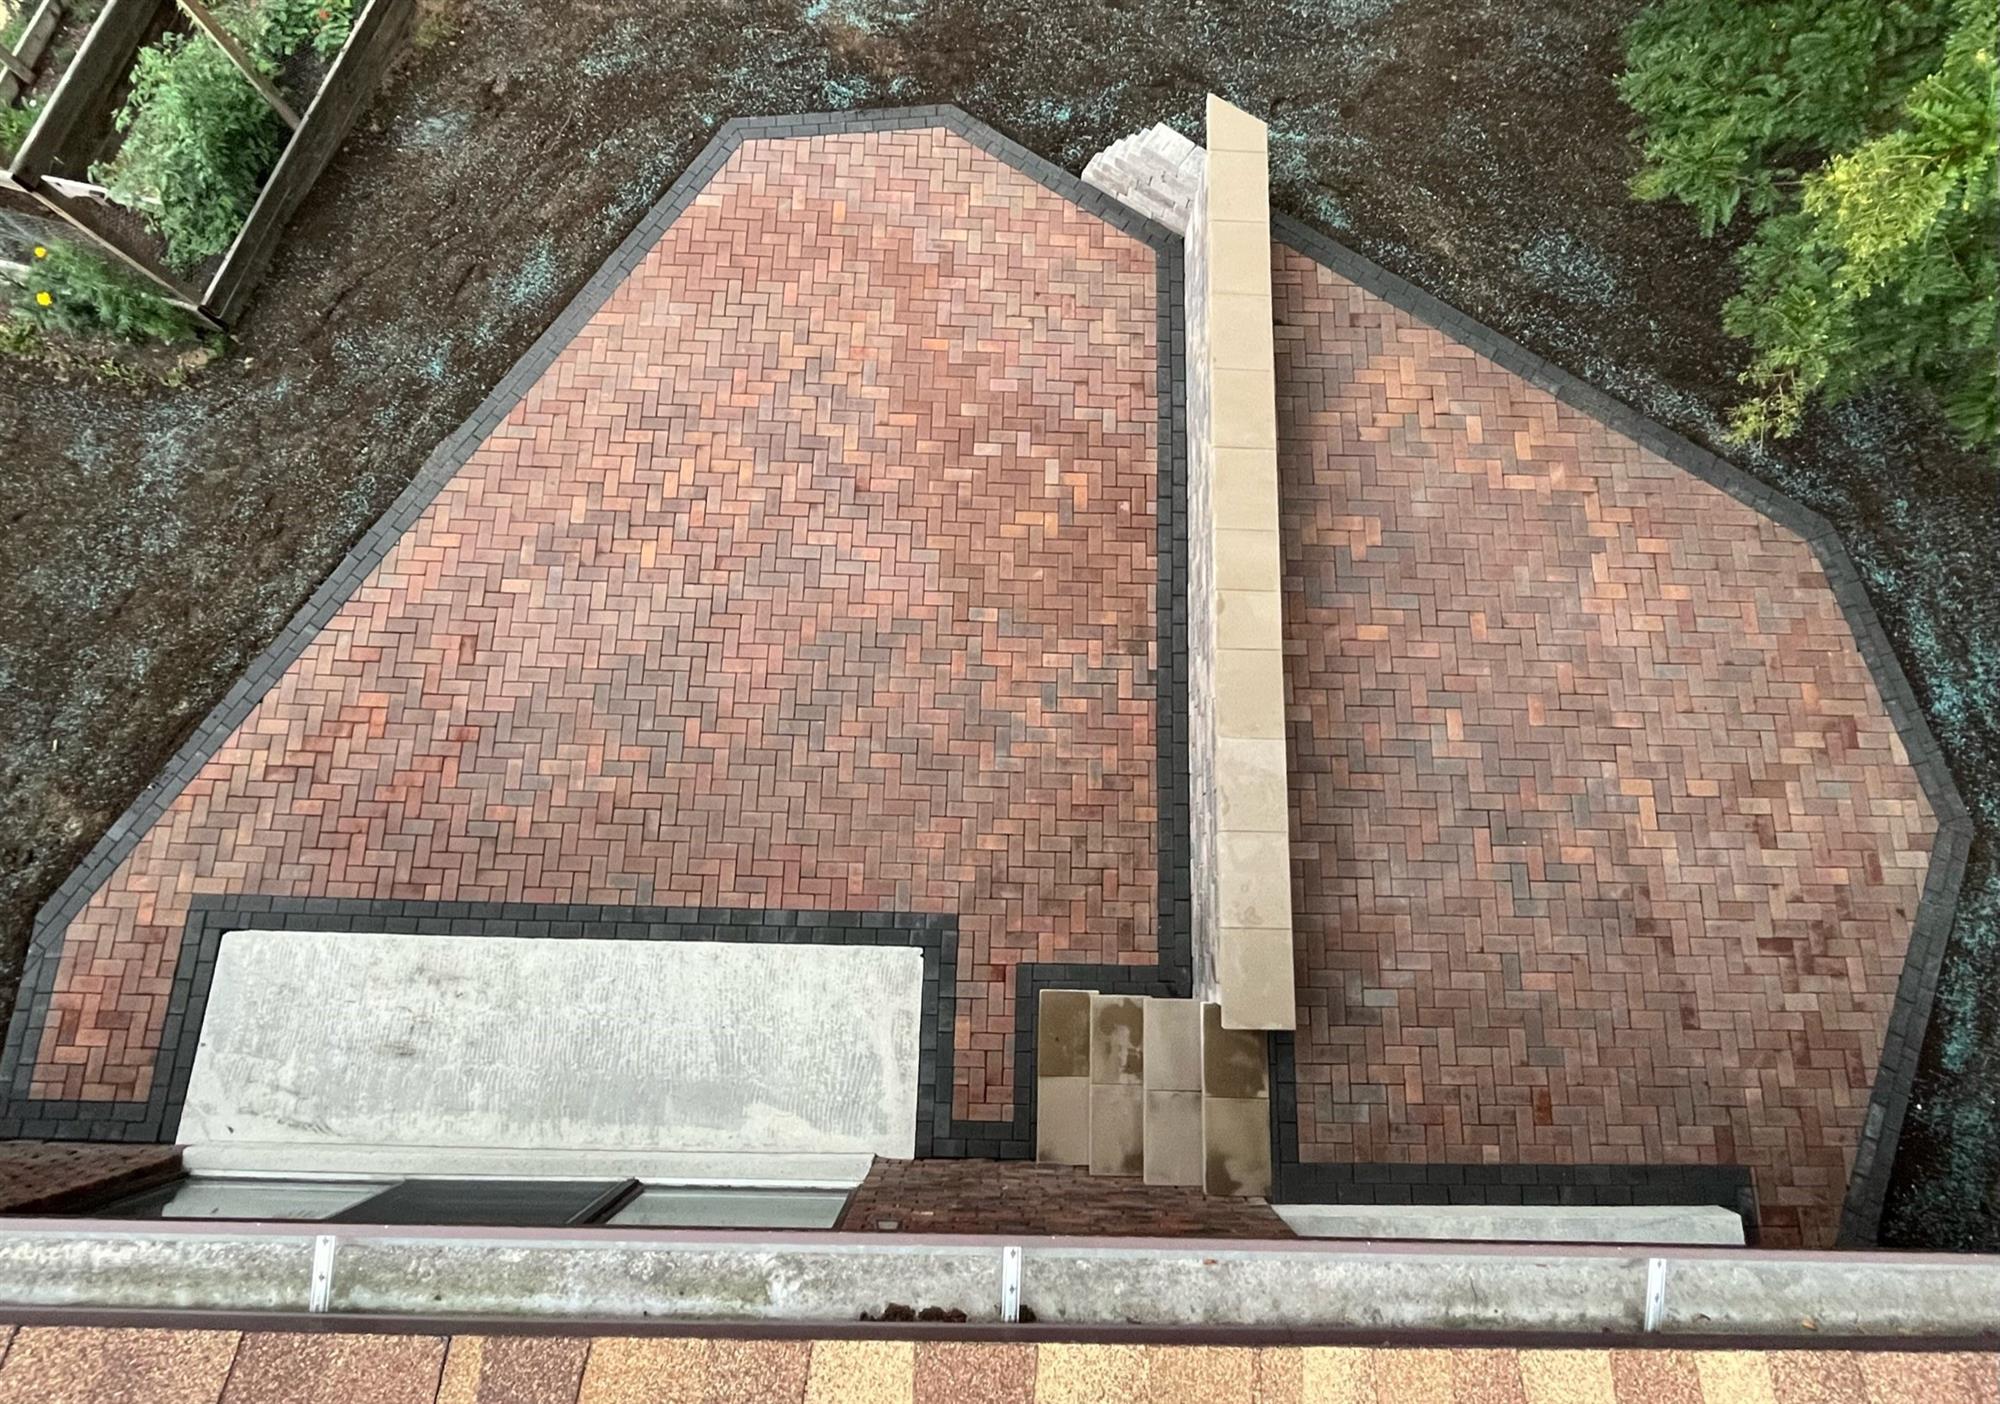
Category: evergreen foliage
[1860,136]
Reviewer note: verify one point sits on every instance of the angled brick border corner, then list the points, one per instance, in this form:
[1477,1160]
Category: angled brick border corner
[21,1115]
[1916,992]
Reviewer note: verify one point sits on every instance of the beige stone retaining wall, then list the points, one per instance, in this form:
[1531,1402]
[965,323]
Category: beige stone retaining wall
[1241,823]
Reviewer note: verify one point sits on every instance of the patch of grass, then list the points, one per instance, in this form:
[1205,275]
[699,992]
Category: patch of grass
[437,22]
[14,125]
[20,339]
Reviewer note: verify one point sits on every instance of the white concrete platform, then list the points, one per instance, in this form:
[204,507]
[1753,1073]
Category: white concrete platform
[1710,1224]
[495,1055]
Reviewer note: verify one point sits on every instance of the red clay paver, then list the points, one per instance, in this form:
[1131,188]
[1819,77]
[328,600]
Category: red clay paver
[1605,849]
[818,572]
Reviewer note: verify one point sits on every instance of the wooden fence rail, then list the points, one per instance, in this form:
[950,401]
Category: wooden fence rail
[20,61]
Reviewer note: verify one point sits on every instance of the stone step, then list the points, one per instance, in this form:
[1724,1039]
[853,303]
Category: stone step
[1130,1085]
[1173,1092]
[1117,1084]
[1235,1108]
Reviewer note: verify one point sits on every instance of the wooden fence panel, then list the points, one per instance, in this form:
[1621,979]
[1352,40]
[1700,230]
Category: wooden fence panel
[34,39]
[349,83]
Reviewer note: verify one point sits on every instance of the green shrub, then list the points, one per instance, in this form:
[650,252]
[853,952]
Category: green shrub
[1860,135]
[284,27]
[198,142]
[199,139]
[77,292]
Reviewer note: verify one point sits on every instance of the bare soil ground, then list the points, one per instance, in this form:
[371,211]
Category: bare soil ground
[155,538]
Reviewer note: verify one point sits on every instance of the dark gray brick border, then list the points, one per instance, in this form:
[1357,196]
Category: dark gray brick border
[1874,1157]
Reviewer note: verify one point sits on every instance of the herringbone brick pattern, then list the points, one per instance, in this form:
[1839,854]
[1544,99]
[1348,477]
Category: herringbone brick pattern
[817,572]
[1605,849]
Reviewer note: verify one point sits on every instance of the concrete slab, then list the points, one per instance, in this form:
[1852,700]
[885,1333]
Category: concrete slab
[802,1276]
[1675,1224]
[390,1161]
[428,1043]
[1173,1138]
[1062,1120]
[1117,1040]
[1062,1034]
[1236,1144]
[1173,1045]
[1117,1130]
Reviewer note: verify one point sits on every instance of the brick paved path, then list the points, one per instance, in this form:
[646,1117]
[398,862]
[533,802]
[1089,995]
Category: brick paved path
[1606,850]
[818,572]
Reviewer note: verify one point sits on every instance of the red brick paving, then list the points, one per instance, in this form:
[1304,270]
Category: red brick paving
[1018,1197]
[1605,848]
[47,1177]
[818,572]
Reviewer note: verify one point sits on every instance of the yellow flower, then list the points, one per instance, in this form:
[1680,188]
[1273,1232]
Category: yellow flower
[41,252]
[42,299]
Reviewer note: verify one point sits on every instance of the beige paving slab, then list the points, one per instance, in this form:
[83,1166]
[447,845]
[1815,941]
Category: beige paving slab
[1250,692]
[862,1372]
[1246,560]
[1062,1120]
[1244,496]
[1254,882]
[1256,976]
[1173,1045]
[1117,1129]
[1567,1377]
[1062,1034]
[1117,1039]
[1251,784]
[1236,1145]
[1249,619]
[645,1370]
[1234,1061]
[1173,1141]
[1089,1374]
[1230,129]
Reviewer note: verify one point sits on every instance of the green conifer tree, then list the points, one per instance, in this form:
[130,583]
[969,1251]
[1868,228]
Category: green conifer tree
[1860,136]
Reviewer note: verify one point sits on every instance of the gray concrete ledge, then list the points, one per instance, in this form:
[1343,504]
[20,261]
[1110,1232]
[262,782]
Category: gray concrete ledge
[1651,1224]
[751,1279]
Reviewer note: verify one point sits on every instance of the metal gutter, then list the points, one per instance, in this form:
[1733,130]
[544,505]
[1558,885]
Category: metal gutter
[762,1282]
